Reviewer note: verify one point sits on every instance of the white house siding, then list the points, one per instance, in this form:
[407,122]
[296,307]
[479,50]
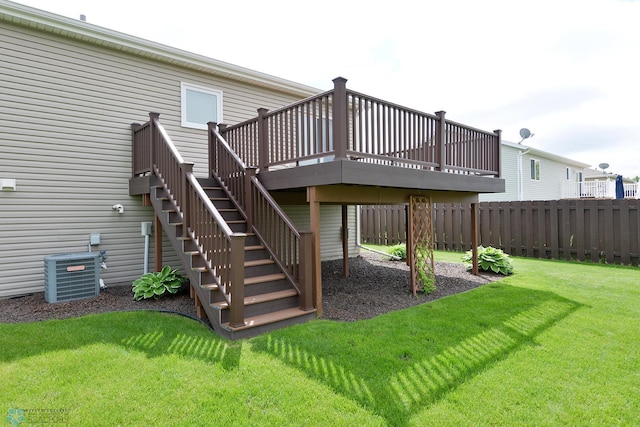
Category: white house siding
[552,175]
[65,115]
[330,227]
[509,168]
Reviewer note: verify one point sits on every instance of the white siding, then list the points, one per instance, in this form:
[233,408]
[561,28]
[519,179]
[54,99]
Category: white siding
[330,226]
[509,167]
[65,115]
[552,175]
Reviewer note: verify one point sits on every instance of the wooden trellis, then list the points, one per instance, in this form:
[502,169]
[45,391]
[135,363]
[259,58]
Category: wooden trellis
[420,243]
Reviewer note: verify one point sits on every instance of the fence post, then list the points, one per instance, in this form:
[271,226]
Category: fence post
[441,157]
[263,139]
[339,114]
[250,172]
[211,126]
[474,238]
[237,280]
[306,270]
[186,169]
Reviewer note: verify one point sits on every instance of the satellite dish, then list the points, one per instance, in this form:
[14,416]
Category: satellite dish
[603,166]
[525,133]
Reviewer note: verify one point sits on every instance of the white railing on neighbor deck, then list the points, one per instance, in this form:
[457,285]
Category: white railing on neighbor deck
[598,190]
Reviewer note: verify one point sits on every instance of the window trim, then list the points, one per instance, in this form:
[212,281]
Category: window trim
[184,86]
[534,174]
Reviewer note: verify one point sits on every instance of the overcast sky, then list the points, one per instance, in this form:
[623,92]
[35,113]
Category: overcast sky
[567,70]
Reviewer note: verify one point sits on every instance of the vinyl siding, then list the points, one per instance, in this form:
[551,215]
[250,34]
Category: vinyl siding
[330,226]
[509,168]
[65,116]
[552,175]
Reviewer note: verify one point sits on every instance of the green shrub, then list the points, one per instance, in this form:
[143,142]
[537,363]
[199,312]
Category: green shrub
[490,259]
[155,285]
[398,251]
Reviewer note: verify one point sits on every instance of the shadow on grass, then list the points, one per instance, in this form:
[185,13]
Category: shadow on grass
[152,333]
[399,363]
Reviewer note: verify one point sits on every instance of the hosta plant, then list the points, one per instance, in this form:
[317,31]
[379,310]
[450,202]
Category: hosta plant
[155,285]
[490,259]
[398,251]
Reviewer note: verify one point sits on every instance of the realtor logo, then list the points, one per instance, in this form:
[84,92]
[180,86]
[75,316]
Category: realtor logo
[16,416]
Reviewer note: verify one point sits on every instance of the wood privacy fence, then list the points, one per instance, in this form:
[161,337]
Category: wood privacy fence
[603,230]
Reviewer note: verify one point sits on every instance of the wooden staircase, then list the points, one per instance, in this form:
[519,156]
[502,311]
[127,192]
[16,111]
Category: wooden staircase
[270,299]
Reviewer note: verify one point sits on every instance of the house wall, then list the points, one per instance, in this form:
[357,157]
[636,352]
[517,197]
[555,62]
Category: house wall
[552,175]
[65,115]
[330,228]
[509,170]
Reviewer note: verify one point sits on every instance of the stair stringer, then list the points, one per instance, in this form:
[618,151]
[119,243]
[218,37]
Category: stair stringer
[190,261]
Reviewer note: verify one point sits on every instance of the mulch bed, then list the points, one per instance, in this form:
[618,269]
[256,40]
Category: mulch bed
[375,286]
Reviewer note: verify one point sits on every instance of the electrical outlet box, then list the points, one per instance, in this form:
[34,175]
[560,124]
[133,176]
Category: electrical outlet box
[145,228]
[94,239]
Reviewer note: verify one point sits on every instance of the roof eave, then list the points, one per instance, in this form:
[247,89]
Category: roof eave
[49,22]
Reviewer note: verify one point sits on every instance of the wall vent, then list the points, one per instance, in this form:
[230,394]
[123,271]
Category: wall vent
[69,277]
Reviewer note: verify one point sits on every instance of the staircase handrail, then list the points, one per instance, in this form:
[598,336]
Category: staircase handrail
[222,248]
[288,247]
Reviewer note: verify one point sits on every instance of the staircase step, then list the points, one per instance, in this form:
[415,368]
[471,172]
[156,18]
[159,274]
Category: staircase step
[265,319]
[257,262]
[257,299]
[262,279]
[210,286]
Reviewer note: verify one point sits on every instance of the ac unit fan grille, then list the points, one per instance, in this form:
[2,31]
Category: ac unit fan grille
[71,276]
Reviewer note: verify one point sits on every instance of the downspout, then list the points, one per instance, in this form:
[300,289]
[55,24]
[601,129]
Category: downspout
[520,169]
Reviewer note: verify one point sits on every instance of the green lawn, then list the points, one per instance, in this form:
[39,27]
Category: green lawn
[554,344]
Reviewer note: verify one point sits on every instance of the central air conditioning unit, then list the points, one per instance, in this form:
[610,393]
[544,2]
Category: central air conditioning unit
[71,277]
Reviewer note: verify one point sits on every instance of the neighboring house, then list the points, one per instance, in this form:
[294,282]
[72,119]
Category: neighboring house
[600,185]
[533,174]
[71,91]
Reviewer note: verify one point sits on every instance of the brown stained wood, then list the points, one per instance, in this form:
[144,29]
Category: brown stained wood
[474,238]
[567,229]
[345,242]
[609,243]
[157,242]
[314,221]
[542,229]
[624,241]
[553,230]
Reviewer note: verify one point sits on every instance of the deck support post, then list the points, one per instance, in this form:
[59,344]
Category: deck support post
[441,157]
[314,220]
[306,270]
[474,238]
[157,241]
[345,242]
[339,115]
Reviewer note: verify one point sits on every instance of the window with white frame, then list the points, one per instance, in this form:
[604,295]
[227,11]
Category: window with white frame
[200,105]
[569,177]
[535,169]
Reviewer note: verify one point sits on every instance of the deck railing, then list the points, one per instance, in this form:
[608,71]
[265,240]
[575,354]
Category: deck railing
[341,123]
[605,189]
[289,248]
[222,248]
